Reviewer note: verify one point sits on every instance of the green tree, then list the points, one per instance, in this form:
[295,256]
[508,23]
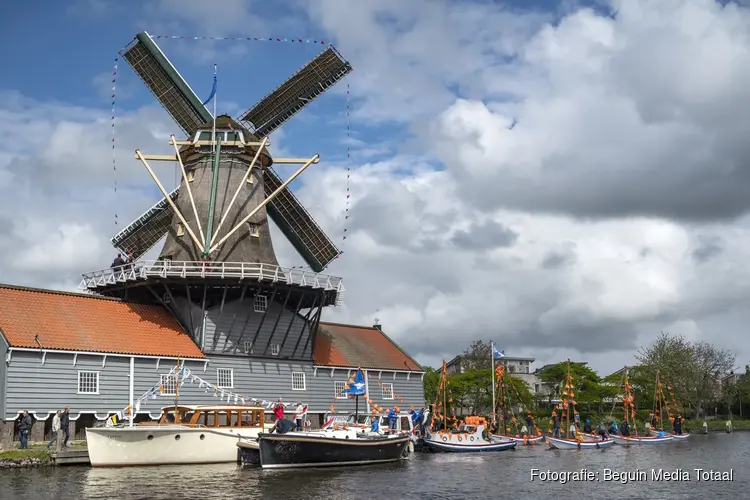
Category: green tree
[472,391]
[586,382]
[431,382]
[477,356]
[692,369]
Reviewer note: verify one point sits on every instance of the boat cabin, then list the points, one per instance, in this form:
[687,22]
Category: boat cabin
[213,416]
[403,423]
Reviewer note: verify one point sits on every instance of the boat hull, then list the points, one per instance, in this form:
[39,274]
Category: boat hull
[475,447]
[571,444]
[680,437]
[294,450]
[167,445]
[524,441]
[249,452]
[638,440]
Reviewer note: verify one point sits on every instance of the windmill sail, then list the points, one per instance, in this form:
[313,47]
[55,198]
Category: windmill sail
[297,92]
[146,231]
[166,83]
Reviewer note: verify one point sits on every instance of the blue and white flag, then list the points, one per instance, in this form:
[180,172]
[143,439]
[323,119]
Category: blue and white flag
[357,386]
[497,354]
[213,89]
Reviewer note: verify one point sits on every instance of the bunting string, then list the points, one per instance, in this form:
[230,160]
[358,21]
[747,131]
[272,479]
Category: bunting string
[114,156]
[241,38]
[348,166]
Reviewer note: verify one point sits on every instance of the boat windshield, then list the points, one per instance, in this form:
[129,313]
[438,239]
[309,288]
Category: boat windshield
[360,419]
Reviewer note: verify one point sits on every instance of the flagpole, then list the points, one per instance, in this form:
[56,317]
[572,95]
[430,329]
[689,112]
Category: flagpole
[492,378]
[213,132]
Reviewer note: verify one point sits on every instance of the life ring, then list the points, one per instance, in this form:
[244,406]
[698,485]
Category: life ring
[459,438]
[445,439]
[471,438]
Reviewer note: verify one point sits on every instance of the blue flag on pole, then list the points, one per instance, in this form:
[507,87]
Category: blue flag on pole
[213,89]
[357,386]
[497,354]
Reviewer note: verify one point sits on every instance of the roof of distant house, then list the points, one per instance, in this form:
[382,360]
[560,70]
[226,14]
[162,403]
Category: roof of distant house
[46,319]
[351,346]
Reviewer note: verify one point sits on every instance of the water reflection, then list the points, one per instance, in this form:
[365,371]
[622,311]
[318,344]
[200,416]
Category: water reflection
[424,476]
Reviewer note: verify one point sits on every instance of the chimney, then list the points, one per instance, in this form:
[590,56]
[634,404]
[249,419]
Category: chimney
[377,324]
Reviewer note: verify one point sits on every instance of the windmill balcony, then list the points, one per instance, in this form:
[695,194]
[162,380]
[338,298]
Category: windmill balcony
[205,271]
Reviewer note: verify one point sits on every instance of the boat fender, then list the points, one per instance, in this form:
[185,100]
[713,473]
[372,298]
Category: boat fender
[459,438]
[445,438]
[411,447]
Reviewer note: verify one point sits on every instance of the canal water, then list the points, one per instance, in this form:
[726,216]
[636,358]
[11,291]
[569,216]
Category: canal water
[423,476]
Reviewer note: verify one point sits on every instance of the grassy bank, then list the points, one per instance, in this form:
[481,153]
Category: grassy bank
[717,425]
[37,453]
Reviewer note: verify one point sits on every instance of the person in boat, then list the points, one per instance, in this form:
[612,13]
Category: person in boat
[278,410]
[375,426]
[392,418]
[524,431]
[555,425]
[427,420]
[677,426]
[587,427]
[299,415]
[282,426]
[653,421]
[572,431]
[603,431]
[625,429]
[530,423]
[613,427]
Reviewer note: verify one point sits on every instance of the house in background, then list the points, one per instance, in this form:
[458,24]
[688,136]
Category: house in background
[67,349]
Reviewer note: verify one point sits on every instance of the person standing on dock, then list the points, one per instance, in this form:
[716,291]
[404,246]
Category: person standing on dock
[65,425]
[56,437]
[24,428]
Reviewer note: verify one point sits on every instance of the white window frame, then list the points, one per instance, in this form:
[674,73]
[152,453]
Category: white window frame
[383,392]
[164,378]
[219,381]
[275,349]
[88,372]
[248,347]
[338,388]
[304,381]
[253,229]
[260,304]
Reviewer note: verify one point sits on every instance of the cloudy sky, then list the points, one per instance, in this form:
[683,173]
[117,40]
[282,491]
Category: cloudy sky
[567,179]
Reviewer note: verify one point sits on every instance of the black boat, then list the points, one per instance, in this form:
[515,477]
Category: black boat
[329,449]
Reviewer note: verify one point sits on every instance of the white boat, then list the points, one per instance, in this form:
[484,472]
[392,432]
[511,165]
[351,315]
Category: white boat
[468,438]
[680,437]
[585,444]
[184,435]
[635,440]
[519,440]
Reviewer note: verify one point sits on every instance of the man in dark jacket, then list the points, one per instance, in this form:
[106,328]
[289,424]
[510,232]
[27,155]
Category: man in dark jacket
[530,424]
[65,426]
[555,425]
[283,426]
[24,428]
[587,427]
[625,429]
[677,427]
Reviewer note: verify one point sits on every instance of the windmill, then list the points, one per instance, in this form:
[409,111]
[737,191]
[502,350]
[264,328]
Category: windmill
[218,245]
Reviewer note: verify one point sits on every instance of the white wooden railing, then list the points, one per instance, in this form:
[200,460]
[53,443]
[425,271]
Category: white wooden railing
[205,269]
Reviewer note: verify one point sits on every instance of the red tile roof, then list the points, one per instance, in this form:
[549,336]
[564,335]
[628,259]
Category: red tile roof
[77,322]
[352,346]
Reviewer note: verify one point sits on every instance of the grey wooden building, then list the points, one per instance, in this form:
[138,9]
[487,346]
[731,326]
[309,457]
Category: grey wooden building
[65,349]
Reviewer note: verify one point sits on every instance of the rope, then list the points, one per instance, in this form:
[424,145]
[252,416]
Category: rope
[114,155]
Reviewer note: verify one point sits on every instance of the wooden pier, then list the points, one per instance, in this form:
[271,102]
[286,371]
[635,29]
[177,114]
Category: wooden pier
[72,457]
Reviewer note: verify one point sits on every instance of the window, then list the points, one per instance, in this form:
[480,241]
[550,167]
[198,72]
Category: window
[206,135]
[275,348]
[88,382]
[387,391]
[536,387]
[338,389]
[191,176]
[225,378]
[180,229]
[166,299]
[261,303]
[248,347]
[298,381]
[168,385]
[253,228]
